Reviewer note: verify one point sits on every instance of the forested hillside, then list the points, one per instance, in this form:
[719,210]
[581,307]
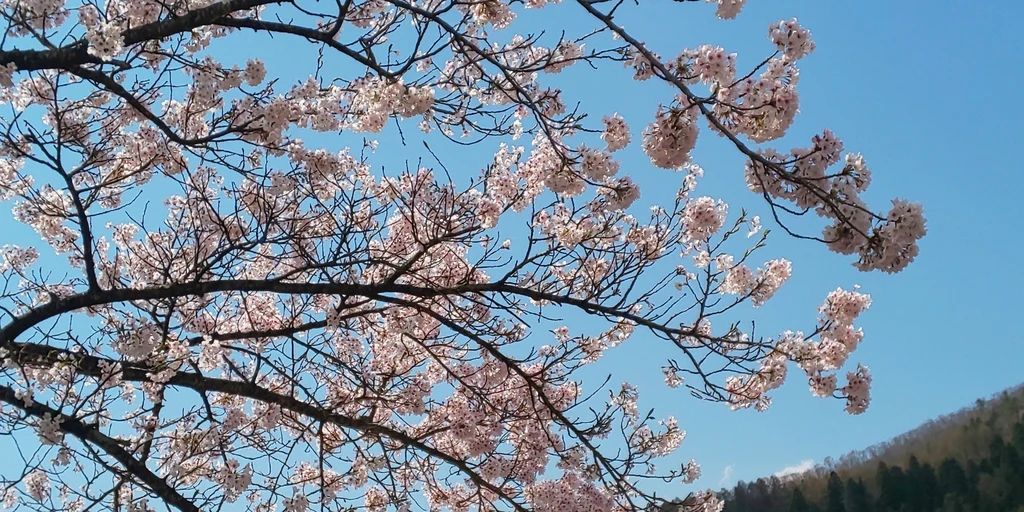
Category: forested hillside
[968,461]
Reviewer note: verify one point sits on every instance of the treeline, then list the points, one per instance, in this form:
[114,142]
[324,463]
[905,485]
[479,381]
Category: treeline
[970,461]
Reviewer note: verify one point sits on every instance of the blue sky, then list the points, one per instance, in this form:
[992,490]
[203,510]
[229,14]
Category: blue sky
[926,92]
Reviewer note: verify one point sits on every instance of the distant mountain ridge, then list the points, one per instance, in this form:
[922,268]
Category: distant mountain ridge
[971,460]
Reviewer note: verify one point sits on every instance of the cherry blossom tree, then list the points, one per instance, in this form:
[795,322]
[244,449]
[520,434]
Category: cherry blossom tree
[223,311]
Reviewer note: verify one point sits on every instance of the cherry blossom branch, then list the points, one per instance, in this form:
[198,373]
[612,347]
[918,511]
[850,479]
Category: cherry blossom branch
[112,447]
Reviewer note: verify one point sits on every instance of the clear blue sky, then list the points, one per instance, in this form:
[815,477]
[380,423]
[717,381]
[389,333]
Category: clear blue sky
[926,91]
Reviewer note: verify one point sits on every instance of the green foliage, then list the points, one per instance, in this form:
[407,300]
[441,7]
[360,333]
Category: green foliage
[969,461]
[857,497]
[834,500]
[798,503]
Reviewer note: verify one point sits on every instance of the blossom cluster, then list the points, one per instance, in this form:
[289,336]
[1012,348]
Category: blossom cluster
[792,40]
[670,138]
[616,132]
[728,9]
[837,339]
[376,100]
[888,244]
[703,217]
[711,65]
[760,286]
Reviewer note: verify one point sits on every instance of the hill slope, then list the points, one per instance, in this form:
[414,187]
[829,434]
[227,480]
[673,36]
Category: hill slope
[968,461]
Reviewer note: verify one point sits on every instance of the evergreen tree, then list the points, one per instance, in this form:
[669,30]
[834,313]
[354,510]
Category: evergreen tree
[997,452]
[740,501]
[779,493]
[834,494]
[1011,457]
[973,471]
[929,481]
[1017,437]
[891,488]
[797,503]
[857,497]
[952,477]
[762,496]
[921,486]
